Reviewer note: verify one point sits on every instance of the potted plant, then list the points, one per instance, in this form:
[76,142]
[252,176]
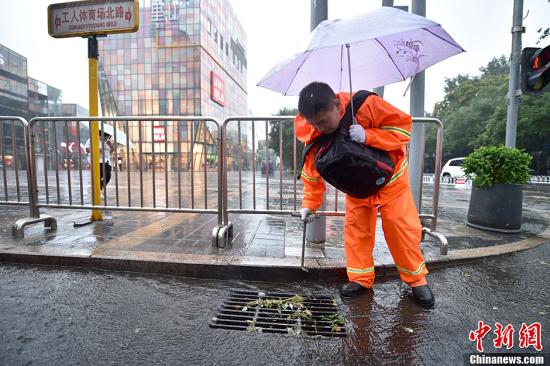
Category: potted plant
[498,174]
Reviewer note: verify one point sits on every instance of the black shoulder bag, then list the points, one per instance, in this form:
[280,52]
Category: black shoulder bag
[353,168]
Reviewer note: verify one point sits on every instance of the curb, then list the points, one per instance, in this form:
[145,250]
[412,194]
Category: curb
[246,268]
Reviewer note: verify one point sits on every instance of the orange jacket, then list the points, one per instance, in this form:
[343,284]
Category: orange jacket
[386,128]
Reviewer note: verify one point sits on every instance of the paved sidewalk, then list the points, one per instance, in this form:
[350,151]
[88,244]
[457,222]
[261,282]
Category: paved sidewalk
[263,247]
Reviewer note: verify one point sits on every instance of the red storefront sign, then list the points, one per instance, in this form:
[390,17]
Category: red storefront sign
[159,133]
[216,89]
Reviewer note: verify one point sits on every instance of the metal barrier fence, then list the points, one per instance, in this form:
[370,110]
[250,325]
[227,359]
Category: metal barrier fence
[184,150]
[13,161]
[15,168]
[180,148]
[288,196]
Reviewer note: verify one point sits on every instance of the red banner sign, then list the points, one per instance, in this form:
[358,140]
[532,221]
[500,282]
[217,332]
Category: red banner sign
[216,89]
[159,133]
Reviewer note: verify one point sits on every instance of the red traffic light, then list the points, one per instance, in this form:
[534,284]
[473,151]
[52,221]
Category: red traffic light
[535,70]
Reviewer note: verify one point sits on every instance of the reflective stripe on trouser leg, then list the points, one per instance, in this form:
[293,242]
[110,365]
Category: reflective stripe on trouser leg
[403,231]
[359,230]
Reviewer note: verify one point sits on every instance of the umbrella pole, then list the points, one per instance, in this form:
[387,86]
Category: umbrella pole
[350,89]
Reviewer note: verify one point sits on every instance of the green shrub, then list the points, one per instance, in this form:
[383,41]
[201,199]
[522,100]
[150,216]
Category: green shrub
[490,165]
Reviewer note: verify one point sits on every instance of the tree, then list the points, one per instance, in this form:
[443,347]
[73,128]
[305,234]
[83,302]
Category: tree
[474,110]
[288,134]
[543,32]
[496,67]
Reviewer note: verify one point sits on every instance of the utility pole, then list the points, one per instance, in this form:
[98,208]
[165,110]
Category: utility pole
[319,12]
[416,152]
[515,60]
[380,89]
[316,230]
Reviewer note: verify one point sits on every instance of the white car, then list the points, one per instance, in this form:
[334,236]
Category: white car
[453,168]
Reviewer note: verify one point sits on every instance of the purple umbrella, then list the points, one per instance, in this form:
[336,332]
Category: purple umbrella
[379,48]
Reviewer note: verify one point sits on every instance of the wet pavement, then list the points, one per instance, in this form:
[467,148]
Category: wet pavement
[70,316]
[261,240]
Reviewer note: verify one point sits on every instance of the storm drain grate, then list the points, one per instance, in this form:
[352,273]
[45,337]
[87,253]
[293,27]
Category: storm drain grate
[274,312]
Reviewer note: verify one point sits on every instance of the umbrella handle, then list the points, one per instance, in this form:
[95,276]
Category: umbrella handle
[353,120]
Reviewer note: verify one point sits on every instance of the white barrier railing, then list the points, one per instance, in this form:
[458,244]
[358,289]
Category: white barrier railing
[429,179]
[540,179]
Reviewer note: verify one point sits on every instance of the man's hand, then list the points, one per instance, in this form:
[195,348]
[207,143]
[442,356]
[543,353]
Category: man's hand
[357,133]
[306,215]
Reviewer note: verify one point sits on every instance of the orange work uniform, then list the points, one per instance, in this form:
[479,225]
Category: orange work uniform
[386,128]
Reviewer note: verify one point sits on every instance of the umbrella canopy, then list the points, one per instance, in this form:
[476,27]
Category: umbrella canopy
[120,136]
[385,46]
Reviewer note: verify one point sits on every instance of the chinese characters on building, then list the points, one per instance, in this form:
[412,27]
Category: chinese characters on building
[162,10]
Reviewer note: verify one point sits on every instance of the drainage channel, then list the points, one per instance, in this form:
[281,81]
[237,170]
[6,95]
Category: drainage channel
[275,312]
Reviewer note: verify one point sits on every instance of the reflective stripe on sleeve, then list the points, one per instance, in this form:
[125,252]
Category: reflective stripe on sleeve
[309,178]
[399,172]
[397,130]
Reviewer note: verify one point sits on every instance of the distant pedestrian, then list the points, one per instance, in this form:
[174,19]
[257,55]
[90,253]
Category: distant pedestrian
[104,158]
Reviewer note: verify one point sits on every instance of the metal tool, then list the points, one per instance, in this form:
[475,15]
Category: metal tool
[302,264]
[304,248]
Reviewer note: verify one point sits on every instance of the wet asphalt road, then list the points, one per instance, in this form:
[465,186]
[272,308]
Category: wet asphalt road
[53,316]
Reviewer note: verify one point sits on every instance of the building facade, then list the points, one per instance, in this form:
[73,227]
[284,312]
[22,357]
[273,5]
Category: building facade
[13,83]
[23,96]
[187,59]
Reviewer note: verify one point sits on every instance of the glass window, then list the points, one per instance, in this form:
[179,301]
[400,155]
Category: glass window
[456,163]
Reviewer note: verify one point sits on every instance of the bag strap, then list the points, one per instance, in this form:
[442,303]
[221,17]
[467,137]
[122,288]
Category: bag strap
[358,99]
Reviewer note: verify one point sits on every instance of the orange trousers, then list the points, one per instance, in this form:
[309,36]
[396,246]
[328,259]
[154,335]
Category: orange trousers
[402,231]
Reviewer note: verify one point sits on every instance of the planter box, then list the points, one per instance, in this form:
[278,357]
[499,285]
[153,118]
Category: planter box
[498,208]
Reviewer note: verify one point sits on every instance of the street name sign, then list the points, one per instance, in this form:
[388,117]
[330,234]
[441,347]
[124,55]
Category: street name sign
[93,18]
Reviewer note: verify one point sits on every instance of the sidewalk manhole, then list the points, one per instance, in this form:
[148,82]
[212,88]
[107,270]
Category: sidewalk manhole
[272,312]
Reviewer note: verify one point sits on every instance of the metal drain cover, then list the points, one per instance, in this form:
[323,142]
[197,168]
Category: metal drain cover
[273,312]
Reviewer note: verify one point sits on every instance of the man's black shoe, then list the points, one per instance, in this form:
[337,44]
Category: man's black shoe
[352,289]
[423,296]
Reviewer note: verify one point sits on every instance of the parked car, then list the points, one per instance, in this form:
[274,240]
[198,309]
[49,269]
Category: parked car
[453,168]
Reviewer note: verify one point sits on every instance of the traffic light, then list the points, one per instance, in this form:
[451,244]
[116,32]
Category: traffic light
[535,70]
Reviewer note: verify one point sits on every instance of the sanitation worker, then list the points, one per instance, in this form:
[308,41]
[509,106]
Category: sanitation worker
[382,126]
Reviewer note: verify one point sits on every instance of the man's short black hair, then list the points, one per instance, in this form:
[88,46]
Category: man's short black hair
[314,98]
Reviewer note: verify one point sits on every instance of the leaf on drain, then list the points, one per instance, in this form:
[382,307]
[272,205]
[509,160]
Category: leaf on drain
[251,326]
[304,314]
[294,331]
[336,321]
